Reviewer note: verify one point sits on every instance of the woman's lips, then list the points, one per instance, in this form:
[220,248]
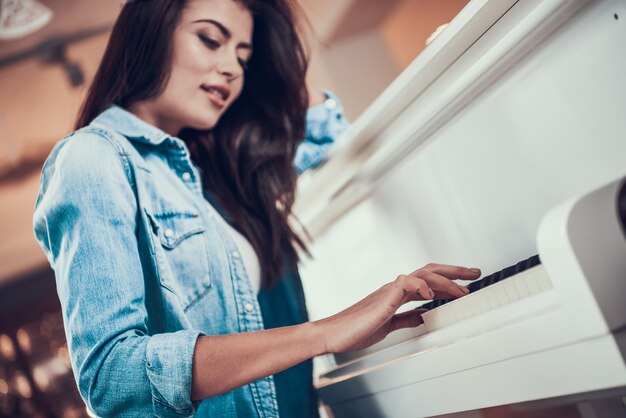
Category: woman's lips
[218,94]
[216,99]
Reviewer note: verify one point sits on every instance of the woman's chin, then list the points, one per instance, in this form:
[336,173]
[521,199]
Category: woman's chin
[203,124]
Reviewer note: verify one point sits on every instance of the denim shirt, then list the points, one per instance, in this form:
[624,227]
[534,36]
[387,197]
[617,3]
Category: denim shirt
[142,270]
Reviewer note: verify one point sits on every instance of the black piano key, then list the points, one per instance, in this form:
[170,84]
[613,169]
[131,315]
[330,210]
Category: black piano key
[521,266]
[488,280]
[428,305]
[474,286]
[507,272]
[534,261]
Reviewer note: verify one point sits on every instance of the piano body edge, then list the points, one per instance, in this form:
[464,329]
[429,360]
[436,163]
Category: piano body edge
[582,245]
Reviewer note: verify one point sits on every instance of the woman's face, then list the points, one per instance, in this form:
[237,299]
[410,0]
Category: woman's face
[211,46]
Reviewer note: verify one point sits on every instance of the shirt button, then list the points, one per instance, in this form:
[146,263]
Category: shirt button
[186,176]
[169,233]
[249,307]
[330,104]
[235,254]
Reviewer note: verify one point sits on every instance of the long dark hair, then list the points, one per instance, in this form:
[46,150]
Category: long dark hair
[247,159]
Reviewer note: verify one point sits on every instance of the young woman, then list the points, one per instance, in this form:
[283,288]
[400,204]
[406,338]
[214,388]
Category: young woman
[165,216]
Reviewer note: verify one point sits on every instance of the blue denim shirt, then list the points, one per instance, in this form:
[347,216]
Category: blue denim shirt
[142,269]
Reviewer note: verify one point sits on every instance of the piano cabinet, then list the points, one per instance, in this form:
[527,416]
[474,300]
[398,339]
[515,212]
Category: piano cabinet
[503,137]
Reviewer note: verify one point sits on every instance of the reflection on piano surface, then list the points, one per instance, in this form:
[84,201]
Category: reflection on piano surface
[471,157]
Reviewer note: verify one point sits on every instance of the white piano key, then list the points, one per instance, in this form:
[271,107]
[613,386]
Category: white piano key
[533,282]
[448,316]
[440,317]
[544,280]
[520,284]
[500,295]
[434,320]
[473,307]
[482,302]
[510,290]
[466,307]
[492,300]
[458,312]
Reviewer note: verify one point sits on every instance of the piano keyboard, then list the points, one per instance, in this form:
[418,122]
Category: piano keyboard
[511,294]
[502,288]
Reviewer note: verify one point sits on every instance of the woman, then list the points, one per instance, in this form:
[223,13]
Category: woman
[165,216]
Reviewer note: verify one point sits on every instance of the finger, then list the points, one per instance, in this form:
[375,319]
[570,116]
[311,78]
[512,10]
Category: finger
[414,287]
[443,284]
[409,319]
[444,295]
[438,296]
[452,272]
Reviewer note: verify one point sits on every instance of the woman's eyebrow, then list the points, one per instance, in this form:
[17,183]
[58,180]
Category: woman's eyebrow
[224,31]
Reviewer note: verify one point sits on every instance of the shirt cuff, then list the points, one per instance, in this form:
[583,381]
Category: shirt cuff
[325,121]
[169,365]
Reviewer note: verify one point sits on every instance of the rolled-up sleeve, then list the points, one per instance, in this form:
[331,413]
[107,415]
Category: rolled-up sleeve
[325,122]
[86,221]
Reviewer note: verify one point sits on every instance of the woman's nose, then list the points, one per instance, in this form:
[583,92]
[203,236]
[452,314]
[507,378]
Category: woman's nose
[229,66]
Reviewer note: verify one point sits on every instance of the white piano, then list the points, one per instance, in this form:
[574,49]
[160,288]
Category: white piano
[502,145]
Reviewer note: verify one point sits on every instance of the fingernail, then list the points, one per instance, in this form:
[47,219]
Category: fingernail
[431,293]
[464,289]
[475,270]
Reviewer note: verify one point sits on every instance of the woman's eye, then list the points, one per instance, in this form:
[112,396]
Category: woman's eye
[211,43]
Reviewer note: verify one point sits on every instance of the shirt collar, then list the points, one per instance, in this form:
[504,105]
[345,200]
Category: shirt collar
[124,122]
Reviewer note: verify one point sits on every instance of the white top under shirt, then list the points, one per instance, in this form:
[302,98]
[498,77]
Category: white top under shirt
[248,255]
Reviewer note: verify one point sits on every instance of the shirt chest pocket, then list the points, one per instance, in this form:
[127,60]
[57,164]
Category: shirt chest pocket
[181,255]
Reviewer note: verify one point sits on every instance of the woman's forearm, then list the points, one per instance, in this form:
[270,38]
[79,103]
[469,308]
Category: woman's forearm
[222,363]
[225,362]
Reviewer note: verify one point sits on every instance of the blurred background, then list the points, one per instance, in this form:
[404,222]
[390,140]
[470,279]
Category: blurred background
[49,51]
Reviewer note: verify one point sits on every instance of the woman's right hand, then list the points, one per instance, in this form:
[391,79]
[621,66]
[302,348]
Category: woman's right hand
[371,319]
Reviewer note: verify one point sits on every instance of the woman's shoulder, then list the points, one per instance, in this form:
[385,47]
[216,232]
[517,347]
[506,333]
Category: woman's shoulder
[86,150]
[86,159]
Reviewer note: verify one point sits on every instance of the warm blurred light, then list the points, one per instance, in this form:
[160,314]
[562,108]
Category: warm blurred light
[22,385]
[41,377]
[48,371]
[4,387]
[435,33]
[46,329]
[64,355]
[23,339]
[6,347]
[72,413]
[22,17]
